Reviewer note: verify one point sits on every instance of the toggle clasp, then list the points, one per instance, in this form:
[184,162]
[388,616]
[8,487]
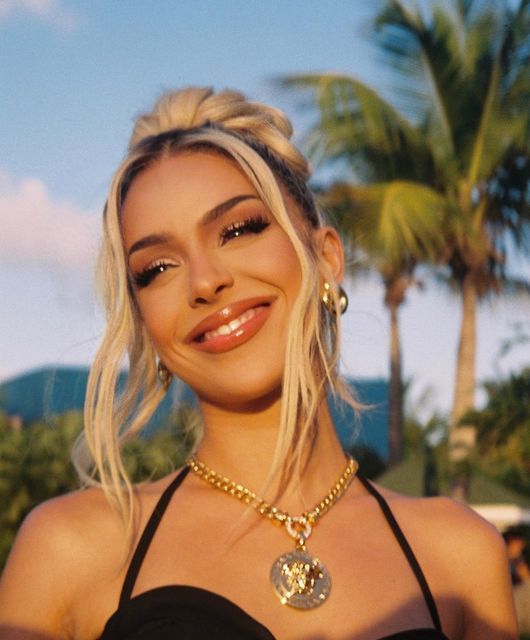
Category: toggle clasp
[298,527]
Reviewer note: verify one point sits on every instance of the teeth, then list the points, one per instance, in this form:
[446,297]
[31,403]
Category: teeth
[225,329]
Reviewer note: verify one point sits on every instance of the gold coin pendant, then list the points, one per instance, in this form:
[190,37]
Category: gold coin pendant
[300,580]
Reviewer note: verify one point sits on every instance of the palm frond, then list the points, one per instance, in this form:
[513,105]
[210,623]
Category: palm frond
[425,51]
[469,62]
[394,223]
[357,124]
[485,121]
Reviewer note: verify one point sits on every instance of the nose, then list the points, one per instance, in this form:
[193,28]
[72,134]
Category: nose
[207,278]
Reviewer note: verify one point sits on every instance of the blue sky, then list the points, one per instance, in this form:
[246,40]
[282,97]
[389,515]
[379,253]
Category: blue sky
[74,74]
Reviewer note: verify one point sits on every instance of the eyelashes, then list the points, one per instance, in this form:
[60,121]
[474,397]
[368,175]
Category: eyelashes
[254,225]
[249,226]
[143,278]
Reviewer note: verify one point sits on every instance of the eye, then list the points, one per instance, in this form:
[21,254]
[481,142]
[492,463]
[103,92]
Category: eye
[243,227]
[144,277]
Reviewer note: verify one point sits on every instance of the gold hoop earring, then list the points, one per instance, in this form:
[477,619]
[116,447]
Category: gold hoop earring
[327,299]
[164,375]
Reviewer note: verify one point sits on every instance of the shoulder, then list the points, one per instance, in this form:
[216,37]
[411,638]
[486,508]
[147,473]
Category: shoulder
[435,510]
[457,530]
[58,526]
[75,528]
[57,550]
[68,561]
[464,558]
[67,524]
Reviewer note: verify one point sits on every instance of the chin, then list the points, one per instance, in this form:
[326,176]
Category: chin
[250,380]
[247,397]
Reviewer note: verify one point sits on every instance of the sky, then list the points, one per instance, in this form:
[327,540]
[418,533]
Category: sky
[74,74]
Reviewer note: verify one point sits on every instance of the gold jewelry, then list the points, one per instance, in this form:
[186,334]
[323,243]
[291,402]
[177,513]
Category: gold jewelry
[300,580]
[327,299]
[164,375]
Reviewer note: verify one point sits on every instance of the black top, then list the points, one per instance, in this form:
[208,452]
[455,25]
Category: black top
[180,612]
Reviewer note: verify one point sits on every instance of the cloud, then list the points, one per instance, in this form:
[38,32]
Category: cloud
[38,229]
[51,11]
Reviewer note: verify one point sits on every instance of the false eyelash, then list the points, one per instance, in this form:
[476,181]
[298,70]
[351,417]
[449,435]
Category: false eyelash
[254,225]
[143,278]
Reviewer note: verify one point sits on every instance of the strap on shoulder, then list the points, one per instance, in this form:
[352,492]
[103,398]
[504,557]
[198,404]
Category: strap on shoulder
[147,535]
[407,550]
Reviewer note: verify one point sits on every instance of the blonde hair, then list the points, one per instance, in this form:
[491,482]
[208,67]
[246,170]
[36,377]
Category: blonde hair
[256,137]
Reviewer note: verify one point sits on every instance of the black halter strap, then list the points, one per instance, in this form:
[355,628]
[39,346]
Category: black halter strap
[147,535]
[162,504]
[407,550]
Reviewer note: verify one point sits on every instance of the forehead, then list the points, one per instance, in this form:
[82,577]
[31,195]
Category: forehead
[197,180]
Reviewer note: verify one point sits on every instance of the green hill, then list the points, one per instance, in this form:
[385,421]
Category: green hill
[43,393]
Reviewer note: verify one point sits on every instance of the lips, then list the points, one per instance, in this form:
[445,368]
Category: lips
[233,325]
[230,326]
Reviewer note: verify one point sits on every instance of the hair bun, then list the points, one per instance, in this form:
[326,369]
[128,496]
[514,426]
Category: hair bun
[194,107]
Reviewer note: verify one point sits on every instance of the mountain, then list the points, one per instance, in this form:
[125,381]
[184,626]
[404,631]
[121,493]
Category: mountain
[43,393]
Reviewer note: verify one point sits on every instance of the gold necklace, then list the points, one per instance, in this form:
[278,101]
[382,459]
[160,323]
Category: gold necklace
[299,579]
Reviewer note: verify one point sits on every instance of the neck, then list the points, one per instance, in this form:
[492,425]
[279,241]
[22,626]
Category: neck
[241,445]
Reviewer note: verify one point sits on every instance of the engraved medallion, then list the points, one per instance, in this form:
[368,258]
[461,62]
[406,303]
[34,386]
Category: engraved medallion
[300,580]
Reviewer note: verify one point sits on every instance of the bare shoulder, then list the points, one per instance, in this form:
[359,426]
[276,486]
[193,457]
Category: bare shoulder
[57,549]
[464,557]
[67,564]
[67,524]
[457,529]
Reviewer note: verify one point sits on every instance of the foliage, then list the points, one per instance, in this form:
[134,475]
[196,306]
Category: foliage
[163,452]
[34,466]
[503,435]
[427,433]
[35,463]
[441,171]
[503,431]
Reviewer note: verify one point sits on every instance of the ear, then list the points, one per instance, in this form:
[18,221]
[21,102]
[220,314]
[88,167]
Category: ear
[331,250]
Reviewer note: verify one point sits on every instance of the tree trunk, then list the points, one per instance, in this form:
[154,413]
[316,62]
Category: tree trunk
[464,397]
[395,400]
[462,438]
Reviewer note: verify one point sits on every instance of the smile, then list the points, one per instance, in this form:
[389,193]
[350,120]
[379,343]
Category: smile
[226,329]
[232,326]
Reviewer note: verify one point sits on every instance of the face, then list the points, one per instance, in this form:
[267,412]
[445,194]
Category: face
[215,276]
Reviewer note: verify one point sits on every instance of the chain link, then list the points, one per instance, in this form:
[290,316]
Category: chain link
[263,507]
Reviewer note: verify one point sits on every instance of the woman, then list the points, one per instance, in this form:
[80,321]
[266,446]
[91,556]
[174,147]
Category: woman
[218,269]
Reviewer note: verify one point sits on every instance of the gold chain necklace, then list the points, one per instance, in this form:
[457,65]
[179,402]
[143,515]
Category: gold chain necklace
[300,580]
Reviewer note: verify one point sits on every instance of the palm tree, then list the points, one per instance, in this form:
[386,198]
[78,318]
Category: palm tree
[392,227]
[455,137]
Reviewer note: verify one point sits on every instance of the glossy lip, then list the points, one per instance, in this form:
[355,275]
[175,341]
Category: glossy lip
[223,343]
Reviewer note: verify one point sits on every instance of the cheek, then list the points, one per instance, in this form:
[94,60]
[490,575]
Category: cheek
[278,263]
[287,268]
[159,314]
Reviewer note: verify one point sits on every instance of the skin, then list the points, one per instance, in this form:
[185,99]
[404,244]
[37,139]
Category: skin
[64,575]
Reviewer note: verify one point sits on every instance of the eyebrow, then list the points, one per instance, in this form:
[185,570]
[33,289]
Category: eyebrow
[223,208]
[207,218]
